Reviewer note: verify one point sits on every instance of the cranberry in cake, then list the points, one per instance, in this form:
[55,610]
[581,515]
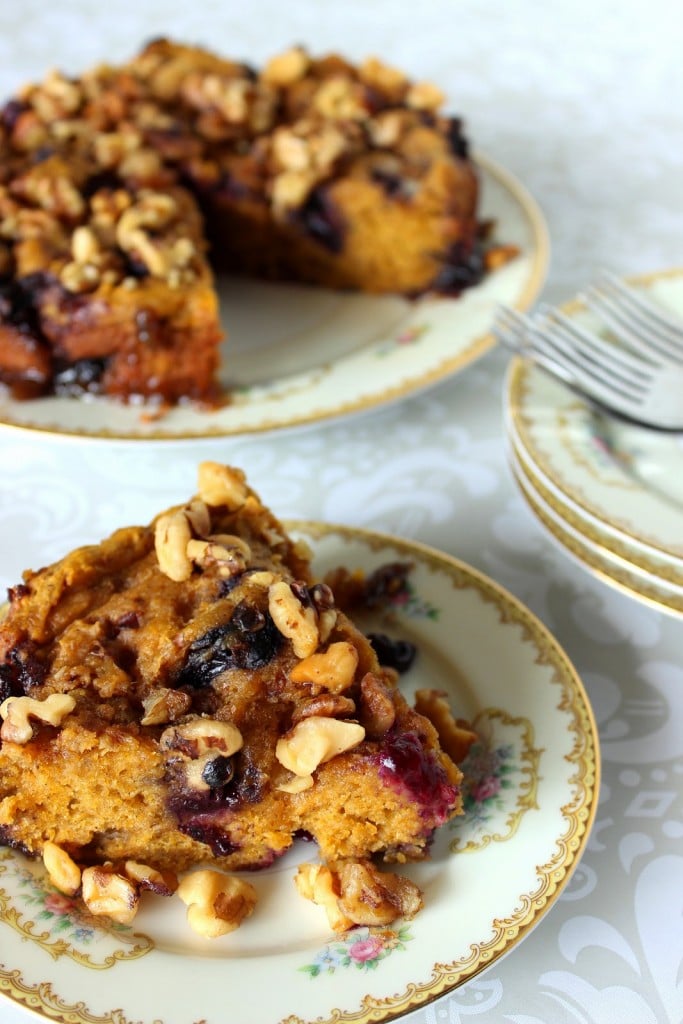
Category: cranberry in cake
[187,694]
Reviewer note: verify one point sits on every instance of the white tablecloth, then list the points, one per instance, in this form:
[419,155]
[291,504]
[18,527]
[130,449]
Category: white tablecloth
[582,101]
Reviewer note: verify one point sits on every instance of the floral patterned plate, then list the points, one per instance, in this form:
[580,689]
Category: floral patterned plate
[298,355]
[530,798]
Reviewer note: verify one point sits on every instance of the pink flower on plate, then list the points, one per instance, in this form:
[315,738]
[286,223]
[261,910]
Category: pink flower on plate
[366,949]
[58,903]
[486,788]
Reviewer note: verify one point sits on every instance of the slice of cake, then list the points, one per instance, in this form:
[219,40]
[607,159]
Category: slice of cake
[186,693]
[113,184]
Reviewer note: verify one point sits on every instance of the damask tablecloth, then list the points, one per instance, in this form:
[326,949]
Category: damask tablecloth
[582,102]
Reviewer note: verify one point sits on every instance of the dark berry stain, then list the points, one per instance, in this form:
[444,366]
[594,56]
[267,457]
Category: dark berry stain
[456,139]
[386,582]
[205,832]
[231,646]
[398,654]
[18,303]
[21,671]
[462,268]
[322,221]
[405,765]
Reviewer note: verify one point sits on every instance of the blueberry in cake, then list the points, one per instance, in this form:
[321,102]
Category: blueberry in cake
[186,694]
[122,189]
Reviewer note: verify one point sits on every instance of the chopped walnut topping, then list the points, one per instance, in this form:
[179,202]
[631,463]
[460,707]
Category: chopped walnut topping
[201,736]
[333,669]
[378,710]
[85,247]
[327,705]
[228,557]
[296,784]
[55,193]
[316,882]
[286,68]
[355,892]
[372,897]
[162,883]
[391,82]
[424,96]
[107,893]
[222,485]
[217,903]
[338,97]
[171,536]
[295,621]
[165,705]
[111,148]
[63,872]
[313,741]
[16,712]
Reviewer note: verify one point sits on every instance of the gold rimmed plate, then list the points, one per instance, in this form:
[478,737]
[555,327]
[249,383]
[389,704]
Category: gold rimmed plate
[530,798]
[621,479]
[600,561]
[298,356]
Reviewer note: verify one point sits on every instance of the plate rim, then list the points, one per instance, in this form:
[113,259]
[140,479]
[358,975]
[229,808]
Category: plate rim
[549,880]
[588,557]
[514,388]
[614,546]
[478,346]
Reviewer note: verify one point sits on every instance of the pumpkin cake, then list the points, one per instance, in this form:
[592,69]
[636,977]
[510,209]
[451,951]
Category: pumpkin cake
[185,694]
[122,188]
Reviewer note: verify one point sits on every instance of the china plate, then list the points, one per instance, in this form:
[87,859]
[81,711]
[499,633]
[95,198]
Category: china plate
[615,547]
[298,355]
[625,480]
[530,802]
[619,572]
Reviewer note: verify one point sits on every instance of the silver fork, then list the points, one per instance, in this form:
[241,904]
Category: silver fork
[649,393]
[639,322]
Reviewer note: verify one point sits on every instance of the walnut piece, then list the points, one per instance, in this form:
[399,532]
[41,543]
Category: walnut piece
[295,621]
[16,712]
[313,741]
[202,736]
[372,897]
[357,893]
[164,705]
[286,68]
[334,669]
[222,485]
[172,534]
[106,893]
[162,883]
[63,872]
[217,903]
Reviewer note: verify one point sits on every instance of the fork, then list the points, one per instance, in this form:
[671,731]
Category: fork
[648,393]
[639,322]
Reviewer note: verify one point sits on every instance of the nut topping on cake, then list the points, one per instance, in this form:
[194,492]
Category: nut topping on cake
[315,740]
[217,903]
[16,712]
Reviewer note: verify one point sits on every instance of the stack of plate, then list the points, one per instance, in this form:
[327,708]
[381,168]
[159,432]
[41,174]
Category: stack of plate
[610,494]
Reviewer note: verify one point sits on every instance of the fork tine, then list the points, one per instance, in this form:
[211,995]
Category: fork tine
[634,299]
[591,353]
[636,333]
[636,323]
[589,375]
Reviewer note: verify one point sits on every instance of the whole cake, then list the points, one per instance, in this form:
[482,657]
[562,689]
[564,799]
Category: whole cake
[117,187]
[187,694]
